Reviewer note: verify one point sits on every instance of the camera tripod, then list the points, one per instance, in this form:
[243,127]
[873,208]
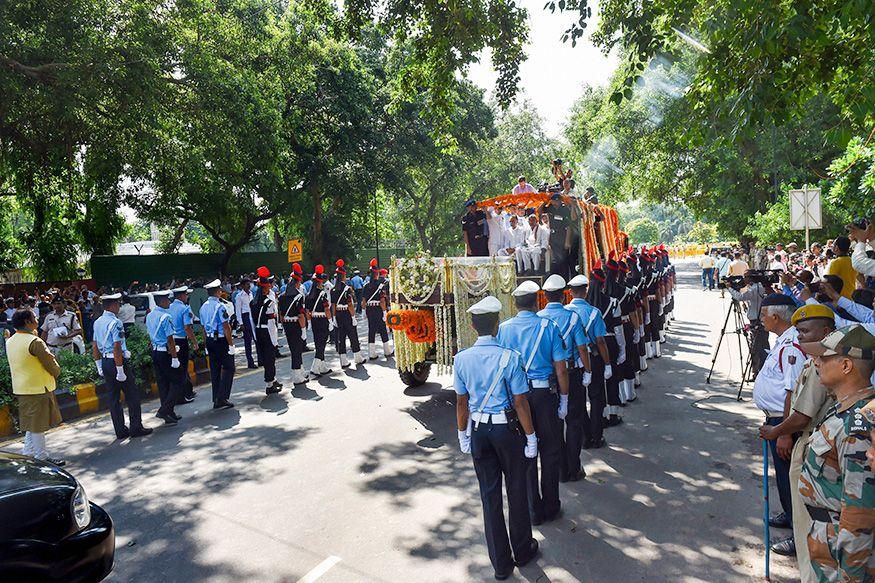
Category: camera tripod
[736,313]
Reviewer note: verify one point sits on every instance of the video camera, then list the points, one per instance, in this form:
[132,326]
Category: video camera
[735,282]
[765,277]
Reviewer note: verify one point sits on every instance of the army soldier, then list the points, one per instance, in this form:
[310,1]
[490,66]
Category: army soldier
[294,320]
[539,342]
[837,485]
[576,346]
[168,371]
[343,313]
[111,357]
[599,298]
[494,423]
[60,327]
[183,336]
[561,233]
[318,306]
[474,231]
[375,301]
[264,316]
[220,345]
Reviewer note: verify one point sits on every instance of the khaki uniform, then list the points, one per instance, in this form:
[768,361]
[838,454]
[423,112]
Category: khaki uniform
[838,488]
[812,400]
[69,321]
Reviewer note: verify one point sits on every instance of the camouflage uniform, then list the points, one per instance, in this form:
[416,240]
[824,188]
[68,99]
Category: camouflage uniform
[839,491]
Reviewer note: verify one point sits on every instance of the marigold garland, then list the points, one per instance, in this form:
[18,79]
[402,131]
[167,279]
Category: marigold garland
[418,325]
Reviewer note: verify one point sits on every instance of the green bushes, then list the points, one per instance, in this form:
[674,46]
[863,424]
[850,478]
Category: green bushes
[76,369]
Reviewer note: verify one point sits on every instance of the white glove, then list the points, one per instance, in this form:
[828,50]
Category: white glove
[355,321]
[126,353]
[636,336]
[531,450]
[587,378]
[232,350]
[609,372]
[60,330]
[120,375]
[97,364]
[304,334]
[331,324]
[563,406]
[174,362]
[464,442]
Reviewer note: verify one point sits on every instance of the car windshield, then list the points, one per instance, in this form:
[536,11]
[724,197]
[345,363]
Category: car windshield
[141,303]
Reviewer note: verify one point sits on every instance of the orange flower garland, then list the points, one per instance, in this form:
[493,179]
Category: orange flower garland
[418,325]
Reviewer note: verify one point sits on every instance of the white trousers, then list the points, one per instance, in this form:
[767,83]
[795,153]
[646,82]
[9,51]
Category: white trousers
[35,445]
[531,257]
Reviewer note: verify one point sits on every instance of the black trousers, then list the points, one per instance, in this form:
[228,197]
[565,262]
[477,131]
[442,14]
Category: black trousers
[376,324]
[570,461]
[133,396]
[221,368]
[656,321]
[248,336]
[632,363]
[498,453]
[266,353]
[168,379]
[759,341]
[558,259]
[320,336]
[345,330]
[183,353]
[544,495]
[612,385]
[593,426]
[296,344]
[479,246]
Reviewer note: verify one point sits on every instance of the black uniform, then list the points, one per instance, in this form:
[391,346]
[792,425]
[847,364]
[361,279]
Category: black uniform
[343,298]
[291,306]
[318,304]
[374,293]
[475,225]
[263,311]
[560,222]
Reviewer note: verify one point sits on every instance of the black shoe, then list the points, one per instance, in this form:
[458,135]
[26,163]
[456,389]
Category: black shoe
[226,404]
[614,420]
[169,419]
[188,399]
[251,365]
[141,432]
[530,553]
[576,477]
[124,434]
[56,461]
[598,444]
[273,389]
[537,520]
[780,521]
[786,547]
[556,515]
[175,416]
[503,576]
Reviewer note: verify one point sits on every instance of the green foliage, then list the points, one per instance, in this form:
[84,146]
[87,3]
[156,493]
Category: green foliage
[674,220]
[6,396]
[702,233]
[137,341]
[76,369]
[643,230]
[854,188]
[773,226]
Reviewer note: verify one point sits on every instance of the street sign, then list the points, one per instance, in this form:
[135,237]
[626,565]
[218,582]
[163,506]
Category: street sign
[805,211]
[296,250]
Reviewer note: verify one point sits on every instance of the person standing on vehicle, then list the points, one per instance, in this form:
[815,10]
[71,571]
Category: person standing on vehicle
[183,335]
[168,369]
[294,320]
[561,217]
[220,345]
[342,296]
[60,327]
[244,316]
[264,316]
[376,303]
[494,423]
[112,359]
[475,231]
[539,342]
[34,373]
[318,306]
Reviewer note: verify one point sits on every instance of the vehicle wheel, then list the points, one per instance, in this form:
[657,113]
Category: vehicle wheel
[417,376]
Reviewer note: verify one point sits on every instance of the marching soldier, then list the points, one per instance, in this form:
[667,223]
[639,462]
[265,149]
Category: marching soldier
[183,335]
[596,331]
[597,297]
[494,424]
[579,375]
[318,306]
[168,368]
[375,301]
[111,356]
[60,327]
[264,316]
[220,346]
[539,342]
[343,312]
[837,484]
[294,320]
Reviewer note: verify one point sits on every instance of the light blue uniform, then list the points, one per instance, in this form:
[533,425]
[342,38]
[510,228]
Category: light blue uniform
[475,368]
[570,327]
[213,315]
[591,319]
[307,285]
[520,332]
[180,317]
[159,327]
[356,282]
[108,330]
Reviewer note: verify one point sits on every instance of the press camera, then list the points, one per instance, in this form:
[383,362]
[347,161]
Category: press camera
[765,277]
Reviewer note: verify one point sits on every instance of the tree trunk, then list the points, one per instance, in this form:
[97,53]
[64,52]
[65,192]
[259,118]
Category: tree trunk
[177,236]
[317,241]
[279,243]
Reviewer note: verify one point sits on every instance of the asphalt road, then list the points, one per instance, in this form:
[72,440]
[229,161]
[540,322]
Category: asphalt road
[355,478]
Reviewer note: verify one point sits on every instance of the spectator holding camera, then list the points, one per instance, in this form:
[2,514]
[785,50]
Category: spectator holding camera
[860,259]
[842,267]
[753,294]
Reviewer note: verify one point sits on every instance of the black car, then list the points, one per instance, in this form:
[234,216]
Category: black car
[49,531]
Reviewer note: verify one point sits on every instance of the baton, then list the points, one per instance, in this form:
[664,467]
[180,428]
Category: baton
[766,504]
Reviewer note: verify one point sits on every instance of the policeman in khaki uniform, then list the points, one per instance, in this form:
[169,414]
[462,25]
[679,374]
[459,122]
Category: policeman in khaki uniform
[494,423]
[837,484]
[808,405]
[60,327]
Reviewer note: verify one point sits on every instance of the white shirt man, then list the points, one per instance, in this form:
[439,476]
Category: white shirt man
[241,304]
[523,187]
[537,240]
[496,235]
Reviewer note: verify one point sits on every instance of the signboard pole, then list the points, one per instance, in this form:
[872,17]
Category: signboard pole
[807,221]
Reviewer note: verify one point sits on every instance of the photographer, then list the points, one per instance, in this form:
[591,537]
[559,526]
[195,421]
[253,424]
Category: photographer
[753,293]
[863,233]
[861,313]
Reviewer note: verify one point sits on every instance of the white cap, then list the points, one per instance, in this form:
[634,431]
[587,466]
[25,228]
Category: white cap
[213,284]
[488,305]
[182,289]
[525,288]
[115,296]
[578,280]
[554,283]
[165,293]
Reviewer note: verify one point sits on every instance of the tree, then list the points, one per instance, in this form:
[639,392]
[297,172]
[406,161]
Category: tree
[702,233]
[643,231]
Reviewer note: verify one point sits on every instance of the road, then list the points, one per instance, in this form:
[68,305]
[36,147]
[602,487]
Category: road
[356,478]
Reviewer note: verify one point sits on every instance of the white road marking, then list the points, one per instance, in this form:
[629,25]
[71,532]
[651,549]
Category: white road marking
[319,570]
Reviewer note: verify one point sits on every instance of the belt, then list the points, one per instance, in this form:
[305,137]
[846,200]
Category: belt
[652,297]
[342,306]
[540,383]
[372,304]
[773,414]
[108,354]
[262,326]
[60,345]
[175,337]
[159,348]
[821,514]
[318,314]
[485,417]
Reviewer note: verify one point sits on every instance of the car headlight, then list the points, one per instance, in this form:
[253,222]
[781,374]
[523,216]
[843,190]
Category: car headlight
[81,507]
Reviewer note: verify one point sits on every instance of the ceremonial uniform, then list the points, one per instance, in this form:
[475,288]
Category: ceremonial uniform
[181,317]
[318,306]
[168,370]
[294,321]
[342,300]
[594,328]
[376,299]
[539,342]
[264,310]
[560,222]
[474,224]
[490,376]
[221,354]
